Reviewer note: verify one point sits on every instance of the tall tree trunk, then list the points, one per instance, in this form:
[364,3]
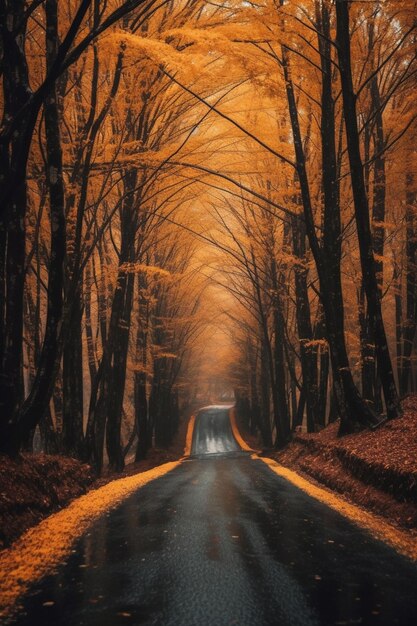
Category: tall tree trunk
[117,376]
[38,400]
[265,396]
[304,326]
[323,382]
[268,351]
[141,416]
[367,350]
[153,407]
[73,381]
[360,200]
[14,150]
[352,409]
[255,414]
[279,392]
[372,384]
[92,366]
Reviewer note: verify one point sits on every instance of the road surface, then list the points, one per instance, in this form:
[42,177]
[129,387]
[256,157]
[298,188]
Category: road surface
[222,540]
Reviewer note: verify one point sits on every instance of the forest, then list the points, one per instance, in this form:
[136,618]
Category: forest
[200,198]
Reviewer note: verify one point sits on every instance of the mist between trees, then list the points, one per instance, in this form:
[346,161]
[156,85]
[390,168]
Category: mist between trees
[200,195]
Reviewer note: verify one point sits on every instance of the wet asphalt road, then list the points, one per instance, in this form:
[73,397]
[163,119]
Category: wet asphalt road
[223,540]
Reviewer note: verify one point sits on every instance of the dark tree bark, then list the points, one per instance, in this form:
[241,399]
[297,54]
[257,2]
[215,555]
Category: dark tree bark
[304,326]
[36,405]
[21,110]
[20,116]
[370,383]
[73,437]
[268,349]
[117,376]
[352,409]
[360,200]
[255,413]
[279,392]
[14,150]
[265,395]
[323,381]
[107,393]
[92,365]
[73,382]
[141,413]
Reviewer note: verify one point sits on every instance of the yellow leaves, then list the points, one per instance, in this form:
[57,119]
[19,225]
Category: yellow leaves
[221,39]
[137,47]
[158,53]
[150,270]
[208,40]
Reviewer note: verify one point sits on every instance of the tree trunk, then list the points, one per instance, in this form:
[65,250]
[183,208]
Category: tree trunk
[352,409]
[320,334]
[117,380]
[265,397]
[141,414]
[255,414]
[14,150]
[72,375]
[304,326]
[281,412]
[38,400]
[360,200]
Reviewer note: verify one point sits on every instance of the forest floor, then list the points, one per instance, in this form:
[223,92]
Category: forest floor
[36,485]
[376,470]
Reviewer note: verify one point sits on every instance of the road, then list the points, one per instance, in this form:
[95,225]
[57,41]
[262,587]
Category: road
[222,540]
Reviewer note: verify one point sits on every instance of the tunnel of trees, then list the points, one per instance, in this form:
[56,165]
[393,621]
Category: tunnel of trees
[195,191]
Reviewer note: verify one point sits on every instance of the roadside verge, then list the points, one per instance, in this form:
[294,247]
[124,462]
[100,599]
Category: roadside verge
[189,436]
[43,547]
[403,540]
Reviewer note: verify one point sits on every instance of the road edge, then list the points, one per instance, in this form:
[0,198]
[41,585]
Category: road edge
[235,430]
[189,436]
[404,543]
[396,538]
[45,546]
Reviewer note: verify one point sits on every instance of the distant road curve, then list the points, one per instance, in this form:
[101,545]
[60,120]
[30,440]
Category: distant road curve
[213,433]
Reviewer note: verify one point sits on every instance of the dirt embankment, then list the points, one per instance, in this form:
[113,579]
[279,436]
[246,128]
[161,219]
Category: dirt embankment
[34,486]
[376,470]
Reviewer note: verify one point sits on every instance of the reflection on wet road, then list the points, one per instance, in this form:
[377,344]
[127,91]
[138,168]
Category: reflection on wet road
[213,433]
[223,540]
